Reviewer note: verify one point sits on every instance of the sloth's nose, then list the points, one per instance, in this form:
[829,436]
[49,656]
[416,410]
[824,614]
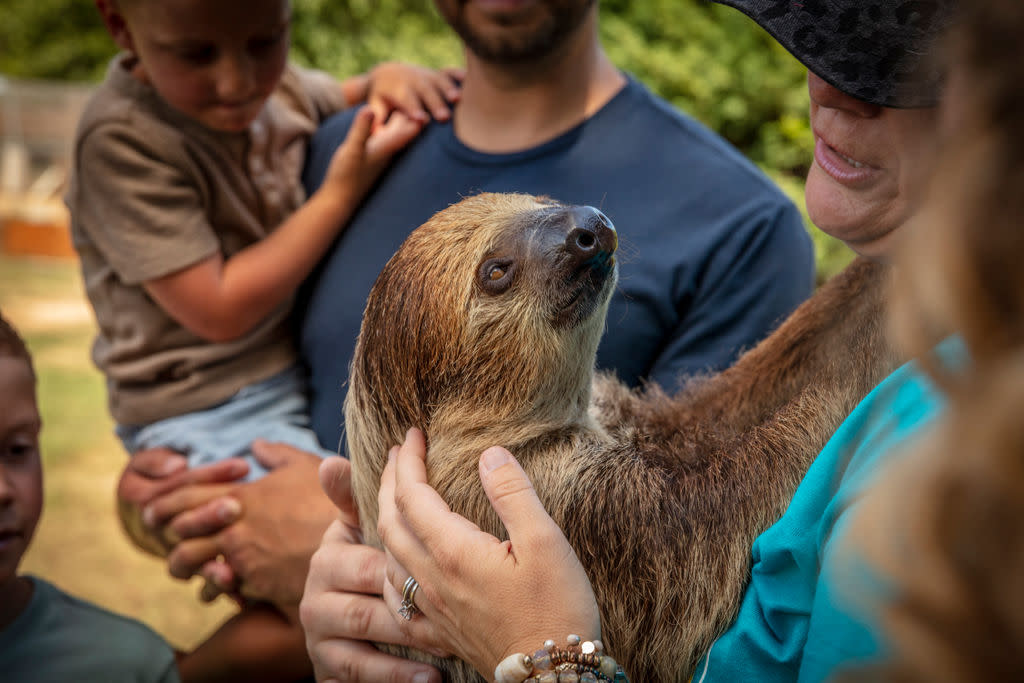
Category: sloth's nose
[592,234]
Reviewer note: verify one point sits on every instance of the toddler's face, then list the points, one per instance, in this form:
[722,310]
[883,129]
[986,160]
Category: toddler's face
[216,61]
[21,475]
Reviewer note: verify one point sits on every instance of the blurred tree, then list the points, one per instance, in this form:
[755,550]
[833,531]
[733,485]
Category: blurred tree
[55,39]
[708,60]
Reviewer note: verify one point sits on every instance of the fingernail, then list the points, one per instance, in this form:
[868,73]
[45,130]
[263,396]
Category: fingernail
[171,465]
[421,677]
[229,510]
[148,516]
[493,458]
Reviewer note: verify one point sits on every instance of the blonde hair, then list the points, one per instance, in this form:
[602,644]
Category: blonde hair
[946,525]
[961,268]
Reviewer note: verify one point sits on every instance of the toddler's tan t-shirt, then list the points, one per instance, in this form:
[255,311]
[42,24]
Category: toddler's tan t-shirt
[153,192]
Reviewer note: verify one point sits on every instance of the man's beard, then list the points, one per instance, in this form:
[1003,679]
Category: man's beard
[528,45]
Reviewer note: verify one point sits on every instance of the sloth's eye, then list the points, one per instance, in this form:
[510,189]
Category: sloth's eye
[496,275]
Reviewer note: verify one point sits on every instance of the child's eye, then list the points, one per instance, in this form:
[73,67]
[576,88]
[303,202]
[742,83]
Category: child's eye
[199,54]
[267,43]
[19,449]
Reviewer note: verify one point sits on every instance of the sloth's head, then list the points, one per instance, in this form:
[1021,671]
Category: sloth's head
[484,324]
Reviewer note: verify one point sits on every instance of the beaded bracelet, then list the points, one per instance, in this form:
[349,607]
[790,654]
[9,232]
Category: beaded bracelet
[579,662]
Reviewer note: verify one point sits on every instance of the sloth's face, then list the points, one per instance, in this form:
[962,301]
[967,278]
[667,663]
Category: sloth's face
[493,308]
[557,259]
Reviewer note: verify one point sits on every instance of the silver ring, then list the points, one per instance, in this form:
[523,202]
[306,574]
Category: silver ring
[408,608]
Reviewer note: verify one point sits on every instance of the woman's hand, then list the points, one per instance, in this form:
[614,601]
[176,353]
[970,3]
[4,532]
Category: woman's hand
[481,598]
[341,609]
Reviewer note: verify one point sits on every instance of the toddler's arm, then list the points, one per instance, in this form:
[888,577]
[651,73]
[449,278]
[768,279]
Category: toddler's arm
[410,89]
[222,299]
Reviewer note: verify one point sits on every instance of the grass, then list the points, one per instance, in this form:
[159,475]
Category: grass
[79,544]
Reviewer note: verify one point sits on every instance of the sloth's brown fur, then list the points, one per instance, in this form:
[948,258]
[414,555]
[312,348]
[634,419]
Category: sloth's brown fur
[660,496]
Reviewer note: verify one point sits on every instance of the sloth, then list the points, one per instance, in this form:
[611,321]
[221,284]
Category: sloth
[482,329]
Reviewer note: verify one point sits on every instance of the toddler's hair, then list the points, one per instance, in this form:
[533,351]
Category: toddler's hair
[11,343]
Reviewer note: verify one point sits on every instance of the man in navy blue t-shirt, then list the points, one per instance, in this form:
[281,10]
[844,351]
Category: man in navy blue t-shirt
[712,254]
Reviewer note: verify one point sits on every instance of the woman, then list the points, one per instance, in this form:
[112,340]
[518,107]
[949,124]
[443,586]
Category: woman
[861,189]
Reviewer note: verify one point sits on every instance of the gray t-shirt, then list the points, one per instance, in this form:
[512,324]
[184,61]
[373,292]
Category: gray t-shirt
[59,638]
[153,192]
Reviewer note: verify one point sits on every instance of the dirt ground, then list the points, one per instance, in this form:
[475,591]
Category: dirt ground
[79,544]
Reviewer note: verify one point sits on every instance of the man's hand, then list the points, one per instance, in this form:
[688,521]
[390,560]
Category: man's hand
[342,609]
[282,518]
[152,474]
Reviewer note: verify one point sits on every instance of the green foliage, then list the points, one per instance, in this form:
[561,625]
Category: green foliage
[349,37]
[708,60]
[719,66]
[54,39]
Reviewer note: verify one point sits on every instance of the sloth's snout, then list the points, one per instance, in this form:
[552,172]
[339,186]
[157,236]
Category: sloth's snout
[592,238]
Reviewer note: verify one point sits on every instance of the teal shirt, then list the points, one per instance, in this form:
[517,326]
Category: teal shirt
[61,639]
[793,624]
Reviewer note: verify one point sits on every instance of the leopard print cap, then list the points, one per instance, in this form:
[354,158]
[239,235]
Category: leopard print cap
[879,52]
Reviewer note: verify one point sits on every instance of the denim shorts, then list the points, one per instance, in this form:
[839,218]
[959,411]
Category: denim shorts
[275,409]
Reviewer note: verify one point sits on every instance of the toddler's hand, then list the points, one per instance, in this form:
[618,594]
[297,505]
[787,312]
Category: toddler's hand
[365,152]
[416,91]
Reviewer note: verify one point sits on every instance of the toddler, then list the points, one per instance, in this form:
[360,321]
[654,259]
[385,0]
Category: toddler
[194,233]
[191,223]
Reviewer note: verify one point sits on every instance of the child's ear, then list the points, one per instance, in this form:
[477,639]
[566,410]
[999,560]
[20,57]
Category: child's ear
[115,23]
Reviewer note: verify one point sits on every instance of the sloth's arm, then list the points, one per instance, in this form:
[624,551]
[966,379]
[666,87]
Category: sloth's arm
[831,351]
[692,479]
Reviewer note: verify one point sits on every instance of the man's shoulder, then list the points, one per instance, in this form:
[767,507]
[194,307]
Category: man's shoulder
[676,140]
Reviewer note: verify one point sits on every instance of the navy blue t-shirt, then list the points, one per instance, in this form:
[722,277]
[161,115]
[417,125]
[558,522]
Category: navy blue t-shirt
[711,254]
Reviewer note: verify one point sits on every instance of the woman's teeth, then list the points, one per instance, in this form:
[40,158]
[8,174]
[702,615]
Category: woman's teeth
[851,162]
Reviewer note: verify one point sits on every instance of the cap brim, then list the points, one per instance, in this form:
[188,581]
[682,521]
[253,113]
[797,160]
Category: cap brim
[878,55]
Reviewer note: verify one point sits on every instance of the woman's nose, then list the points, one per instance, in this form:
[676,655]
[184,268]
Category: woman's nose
[826,95]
